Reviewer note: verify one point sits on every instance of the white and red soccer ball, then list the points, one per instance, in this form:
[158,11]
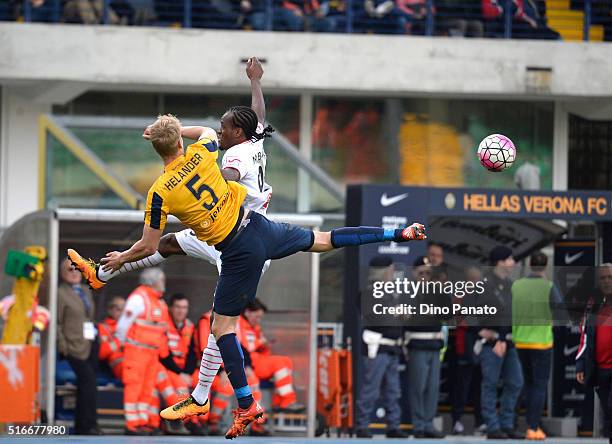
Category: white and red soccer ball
[496,152]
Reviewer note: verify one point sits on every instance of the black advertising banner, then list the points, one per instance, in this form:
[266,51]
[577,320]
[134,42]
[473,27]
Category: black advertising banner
[592,205]
[467,223]
[574,260]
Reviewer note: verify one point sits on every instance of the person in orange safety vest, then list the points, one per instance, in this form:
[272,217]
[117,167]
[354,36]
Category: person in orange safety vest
[221,391]
[277,368]
[111,350]
[142,329]
[181,335]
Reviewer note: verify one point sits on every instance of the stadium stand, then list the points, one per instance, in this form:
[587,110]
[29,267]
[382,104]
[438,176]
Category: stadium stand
[529,19]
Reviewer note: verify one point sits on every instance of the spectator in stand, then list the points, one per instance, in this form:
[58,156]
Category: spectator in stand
[601,14]
[89,12]
[492,13]
[287,15]
[40,10]
[414,13]
[7,14]
[217,14]
[381,350]
[277,368]
[498,357]
[594,357]
[530,21]
[315,16]
[534,300]
[460,18]
[135,12]
[111,349]
[378,16]
[424,340]
[463,367]
[334,13]
[76,334]
[255,13]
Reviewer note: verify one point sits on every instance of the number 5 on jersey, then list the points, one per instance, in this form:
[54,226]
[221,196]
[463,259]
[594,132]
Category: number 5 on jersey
[197,192]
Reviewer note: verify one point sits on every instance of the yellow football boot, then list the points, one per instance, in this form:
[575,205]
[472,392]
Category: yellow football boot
[184,409]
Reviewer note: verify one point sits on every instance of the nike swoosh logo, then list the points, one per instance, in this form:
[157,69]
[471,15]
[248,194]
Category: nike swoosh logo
[386,201]
[568,351]
[573,257]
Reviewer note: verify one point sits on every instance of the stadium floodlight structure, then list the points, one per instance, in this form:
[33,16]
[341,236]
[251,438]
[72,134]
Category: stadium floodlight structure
[290,287]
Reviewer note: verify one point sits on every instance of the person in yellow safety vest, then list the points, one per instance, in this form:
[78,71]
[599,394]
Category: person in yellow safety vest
[142,329]
[111,349]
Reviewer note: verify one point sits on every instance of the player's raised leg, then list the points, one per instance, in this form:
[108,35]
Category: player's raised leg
[242,262]
[97,276]
[353,236]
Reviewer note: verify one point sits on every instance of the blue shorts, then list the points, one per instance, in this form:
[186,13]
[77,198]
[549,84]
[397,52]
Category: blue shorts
[243,258]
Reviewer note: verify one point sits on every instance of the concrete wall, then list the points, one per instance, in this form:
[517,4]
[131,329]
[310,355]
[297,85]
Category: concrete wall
[42,65]
[145,58]
[18,155]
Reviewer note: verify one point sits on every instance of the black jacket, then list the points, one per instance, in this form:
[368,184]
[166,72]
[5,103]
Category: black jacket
[498,293]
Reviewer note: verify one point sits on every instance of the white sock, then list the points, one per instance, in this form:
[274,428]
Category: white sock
[150,261]
[209,366]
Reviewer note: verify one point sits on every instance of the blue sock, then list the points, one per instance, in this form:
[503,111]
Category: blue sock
[353,236]
[233,361]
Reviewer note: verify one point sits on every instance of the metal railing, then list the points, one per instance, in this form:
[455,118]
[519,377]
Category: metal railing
[537,19]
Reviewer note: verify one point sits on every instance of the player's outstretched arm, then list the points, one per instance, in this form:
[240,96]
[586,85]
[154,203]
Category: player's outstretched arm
[146,246]
[197,132]
[354,236]
[254,71]
[189,132]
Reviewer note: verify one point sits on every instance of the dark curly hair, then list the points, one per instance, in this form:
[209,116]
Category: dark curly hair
[245,118]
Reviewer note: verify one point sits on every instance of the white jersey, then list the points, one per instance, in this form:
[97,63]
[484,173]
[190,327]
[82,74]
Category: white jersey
[249,159]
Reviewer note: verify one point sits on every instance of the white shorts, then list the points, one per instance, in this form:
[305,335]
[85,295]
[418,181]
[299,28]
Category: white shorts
[194,247]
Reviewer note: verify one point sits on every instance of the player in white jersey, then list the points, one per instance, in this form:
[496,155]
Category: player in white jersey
[244,161]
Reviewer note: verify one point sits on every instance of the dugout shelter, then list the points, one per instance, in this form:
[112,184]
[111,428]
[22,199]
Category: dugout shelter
[290,288]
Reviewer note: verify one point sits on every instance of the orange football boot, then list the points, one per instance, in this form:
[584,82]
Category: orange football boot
[243,417]
[416,231]
[535,435]
[88,268]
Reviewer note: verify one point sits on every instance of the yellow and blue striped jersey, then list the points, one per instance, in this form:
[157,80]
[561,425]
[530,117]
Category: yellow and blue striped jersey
[192,189]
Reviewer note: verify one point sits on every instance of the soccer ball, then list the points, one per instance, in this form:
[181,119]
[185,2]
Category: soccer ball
[496,152]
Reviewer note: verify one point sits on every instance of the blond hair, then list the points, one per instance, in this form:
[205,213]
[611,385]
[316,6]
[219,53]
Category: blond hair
[165,134]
